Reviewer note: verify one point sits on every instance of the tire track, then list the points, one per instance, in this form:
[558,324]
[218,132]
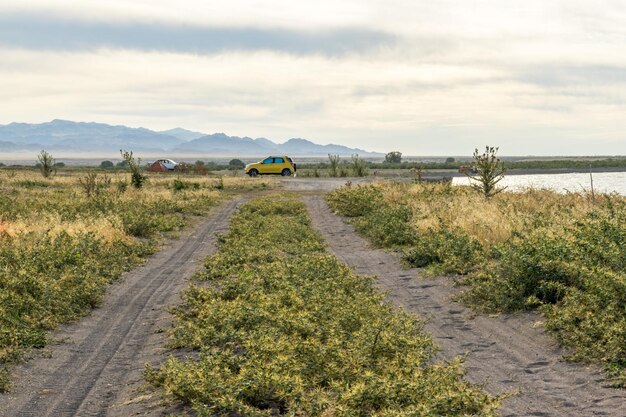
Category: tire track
[508,352]
[99,372]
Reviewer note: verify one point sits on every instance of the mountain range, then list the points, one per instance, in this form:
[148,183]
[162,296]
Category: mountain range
[68,136]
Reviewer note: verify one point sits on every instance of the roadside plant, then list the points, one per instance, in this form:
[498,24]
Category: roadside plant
[489,172]
[137,179]
[359,166]
[93,184]
[333,161]
[180,185]
[417,174]
[220,184]
[121,186]
[46,164]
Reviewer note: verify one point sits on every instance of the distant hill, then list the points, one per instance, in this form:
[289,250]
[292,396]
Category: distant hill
[182,134]
[68,136]
[63,135]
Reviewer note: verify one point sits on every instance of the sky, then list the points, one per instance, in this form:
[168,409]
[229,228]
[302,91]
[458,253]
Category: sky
[533,77]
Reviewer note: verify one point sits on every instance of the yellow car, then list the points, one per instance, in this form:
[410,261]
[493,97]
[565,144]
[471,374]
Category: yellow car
[281,165]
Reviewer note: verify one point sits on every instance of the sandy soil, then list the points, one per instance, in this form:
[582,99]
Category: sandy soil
[96,368]
[307,184]
[507,353]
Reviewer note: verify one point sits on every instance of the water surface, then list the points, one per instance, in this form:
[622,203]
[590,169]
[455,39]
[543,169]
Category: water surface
[603,182]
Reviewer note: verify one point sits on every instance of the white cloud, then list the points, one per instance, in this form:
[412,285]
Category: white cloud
[534,77]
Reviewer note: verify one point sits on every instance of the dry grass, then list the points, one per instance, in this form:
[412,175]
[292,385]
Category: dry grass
[489,221]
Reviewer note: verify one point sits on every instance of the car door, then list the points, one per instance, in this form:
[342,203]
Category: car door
[268,166]
[279,165]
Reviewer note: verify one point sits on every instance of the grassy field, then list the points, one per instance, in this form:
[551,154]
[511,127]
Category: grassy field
[59,248]
[558,253]
[283,328]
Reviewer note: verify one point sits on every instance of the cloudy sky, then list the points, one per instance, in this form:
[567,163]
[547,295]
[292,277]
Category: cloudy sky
[534,77]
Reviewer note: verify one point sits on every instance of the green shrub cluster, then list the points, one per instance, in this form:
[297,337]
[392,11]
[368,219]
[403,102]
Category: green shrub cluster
[576,276]
[566,261]
[285,329]
[45,281]
[356,201]
[446,249]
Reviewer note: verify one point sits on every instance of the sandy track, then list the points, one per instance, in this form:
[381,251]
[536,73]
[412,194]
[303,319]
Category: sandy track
[508,352]
[97,370]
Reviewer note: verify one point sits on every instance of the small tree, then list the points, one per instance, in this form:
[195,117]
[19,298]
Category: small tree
[106,164]
[359,166]
[199,168]
[393,157]
[236,164]
[449,160]
[489,172]
[136,178]
[333,161]
[46,164]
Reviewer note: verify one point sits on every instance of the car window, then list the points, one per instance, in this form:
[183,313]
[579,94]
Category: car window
[268,160]
[278,160]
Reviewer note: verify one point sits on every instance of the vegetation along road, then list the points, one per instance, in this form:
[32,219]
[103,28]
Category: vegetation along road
[280,328]
[509,352]
[97,369]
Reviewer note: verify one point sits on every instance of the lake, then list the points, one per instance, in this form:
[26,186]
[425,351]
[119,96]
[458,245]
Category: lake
[603,182]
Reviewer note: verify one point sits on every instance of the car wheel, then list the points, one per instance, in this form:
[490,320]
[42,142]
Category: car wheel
[253,173]
[286,172]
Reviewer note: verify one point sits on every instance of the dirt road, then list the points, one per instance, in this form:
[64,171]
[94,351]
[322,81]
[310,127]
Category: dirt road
[508,352]
[96,370]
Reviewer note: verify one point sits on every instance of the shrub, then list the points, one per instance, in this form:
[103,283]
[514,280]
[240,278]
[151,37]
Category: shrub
[489,172]
[236,164]
[93,184]
[333,164]
[180,185]
[444,249]
[106,165]
[359,166]
[355,201]
[387,225]
[46,164]
[136,178]
[393,157]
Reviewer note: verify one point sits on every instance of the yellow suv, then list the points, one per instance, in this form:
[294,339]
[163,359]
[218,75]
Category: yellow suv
[282,165]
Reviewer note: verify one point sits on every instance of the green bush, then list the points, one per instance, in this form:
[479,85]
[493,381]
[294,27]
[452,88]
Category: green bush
[387,225]
[444,249]
[47,280]
[355,201]
[180,185]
